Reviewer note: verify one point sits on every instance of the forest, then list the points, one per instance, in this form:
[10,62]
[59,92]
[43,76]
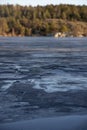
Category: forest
[16,20]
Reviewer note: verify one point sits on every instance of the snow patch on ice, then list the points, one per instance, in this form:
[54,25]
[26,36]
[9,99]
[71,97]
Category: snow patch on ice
[8,84]
[65,82]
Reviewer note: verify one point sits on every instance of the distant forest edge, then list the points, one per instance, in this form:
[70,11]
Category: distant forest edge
[16,20]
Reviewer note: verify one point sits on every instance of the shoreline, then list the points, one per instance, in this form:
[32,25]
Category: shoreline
[55,36]
[71,122]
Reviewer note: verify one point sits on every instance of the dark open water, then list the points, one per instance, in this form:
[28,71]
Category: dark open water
[42,76]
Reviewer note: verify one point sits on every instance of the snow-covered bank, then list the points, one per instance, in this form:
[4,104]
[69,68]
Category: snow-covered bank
[75,122]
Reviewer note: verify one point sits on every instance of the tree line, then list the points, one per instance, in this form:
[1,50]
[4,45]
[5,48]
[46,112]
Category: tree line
[41,20]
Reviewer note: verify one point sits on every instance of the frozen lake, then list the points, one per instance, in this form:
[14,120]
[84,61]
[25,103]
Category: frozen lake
[42,73]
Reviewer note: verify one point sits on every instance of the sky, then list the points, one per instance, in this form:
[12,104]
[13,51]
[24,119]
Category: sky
[43,2]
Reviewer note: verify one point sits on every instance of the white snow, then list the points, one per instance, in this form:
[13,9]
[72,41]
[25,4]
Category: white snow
[61,82]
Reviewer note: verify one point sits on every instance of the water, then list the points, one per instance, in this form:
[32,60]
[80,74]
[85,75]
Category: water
[44,66]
